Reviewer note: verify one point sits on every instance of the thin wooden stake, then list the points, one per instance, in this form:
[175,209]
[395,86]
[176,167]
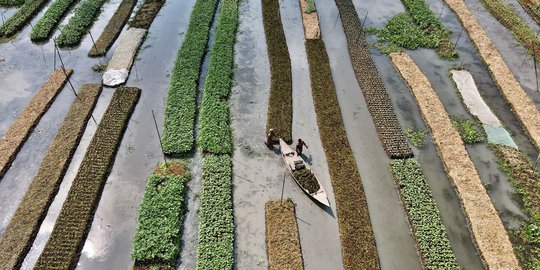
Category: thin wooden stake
[283,187]
[364,21]
[159,137]
[95,47]
[442,8]
[459,36]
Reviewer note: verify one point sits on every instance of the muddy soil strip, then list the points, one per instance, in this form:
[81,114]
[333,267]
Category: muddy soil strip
[377,99]
[23,15]
[18,132]
[525,179]
[310,20]
[532,7]
[486,227]
[424,218]
[22,230]
[280,111]
[77,27]
[113,28]
[282,237]
[46,25]
[69,233]
[180,110]
[146,14]
[521,104]
[161,214]
[357,241]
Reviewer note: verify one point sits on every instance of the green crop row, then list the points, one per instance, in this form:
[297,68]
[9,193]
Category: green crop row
[53,16]
[71,228]
[532,7]
[11,3]
[159,224]
[216,221]
[77,27]
[423,215]
[23,15]
[280,109]
[180,110]
[214,133]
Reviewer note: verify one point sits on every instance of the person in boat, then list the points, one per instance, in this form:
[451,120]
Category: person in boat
[300,146]
[270,137]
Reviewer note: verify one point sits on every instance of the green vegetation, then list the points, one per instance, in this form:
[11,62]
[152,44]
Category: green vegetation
[417,137]
[424,218]
[470,131]
[307,180]
[44,28]
[216,221]
[532,7]
[180,110]
[159,225]
[23,15]
[11,3]
[71,228]
[77,27]
[280,109]
[310,6]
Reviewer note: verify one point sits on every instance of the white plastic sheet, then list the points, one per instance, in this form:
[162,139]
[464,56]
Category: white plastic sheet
[122,59]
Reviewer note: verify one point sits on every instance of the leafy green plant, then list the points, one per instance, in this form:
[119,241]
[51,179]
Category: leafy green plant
[471,131]
[310,8]
[23,15]
[416,136]
[77,27]
[44,28]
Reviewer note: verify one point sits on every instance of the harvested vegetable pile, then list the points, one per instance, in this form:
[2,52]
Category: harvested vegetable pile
[307,180]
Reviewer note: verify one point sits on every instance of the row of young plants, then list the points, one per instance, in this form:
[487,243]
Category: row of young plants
[532,7]
[423,216]
[158,238]
[484,222]
[358,246]
[377,99]
[20,18]
[72,225]
[11,3]
[180,110]
[20,129]
[25,223]
[78,25]
[112,30]
[46,25]
[280,110]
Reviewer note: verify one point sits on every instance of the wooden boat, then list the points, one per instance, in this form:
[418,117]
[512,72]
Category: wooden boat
[295,162]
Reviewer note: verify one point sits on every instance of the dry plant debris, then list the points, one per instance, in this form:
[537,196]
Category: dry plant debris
[24,225]
[282,237]
[71,228]
[310,20]
[20,130]
[358,246]
[485,225]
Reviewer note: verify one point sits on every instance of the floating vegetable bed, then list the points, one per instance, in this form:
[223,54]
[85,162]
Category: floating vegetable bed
[146,14]
[307,180]
[532,7]
[71,228]
[20,130]
[78,25]
[280,111]
[11,3]
[23,15]
[357,241]
[46,25]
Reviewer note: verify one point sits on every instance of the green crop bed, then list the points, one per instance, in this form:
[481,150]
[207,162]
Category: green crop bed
[23,15]
[280,109]
[44,28]
[470,131]
[159,224]
[69,233]
[11,3]
[180,110]
[424,218]
[77,27]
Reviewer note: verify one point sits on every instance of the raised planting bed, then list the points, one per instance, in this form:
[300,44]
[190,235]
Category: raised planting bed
[423,216]
[180,110]
[23,15]
[310,19]
[358,246]
[525,179]
[216,221]
[280,111]
[282,237]
[485,225]
[113,28]
[46,25]
[78,25]
[120,65]
[520,103]
[377,99]
[11,3]
[161,214]
[214,133]
[24,225]
[71,228]
[18,132]
[146,14]
[532,7]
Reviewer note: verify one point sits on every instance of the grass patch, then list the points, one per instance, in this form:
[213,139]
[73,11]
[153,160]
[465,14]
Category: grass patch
[470,131]
[20,129]
[11,3]
[78,25]
[216,220]
[180,110]
[113,28]
[424,217]
[280,109]
[377,99]
[282,237]
[23,15]
[357,241]
[310,7]
[146,14]
[44,28]
[417,137]
[159,224]
[532,7]
[72,225]
[24,225]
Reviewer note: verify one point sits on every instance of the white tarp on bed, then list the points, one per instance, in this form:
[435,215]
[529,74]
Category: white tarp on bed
[122,59]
